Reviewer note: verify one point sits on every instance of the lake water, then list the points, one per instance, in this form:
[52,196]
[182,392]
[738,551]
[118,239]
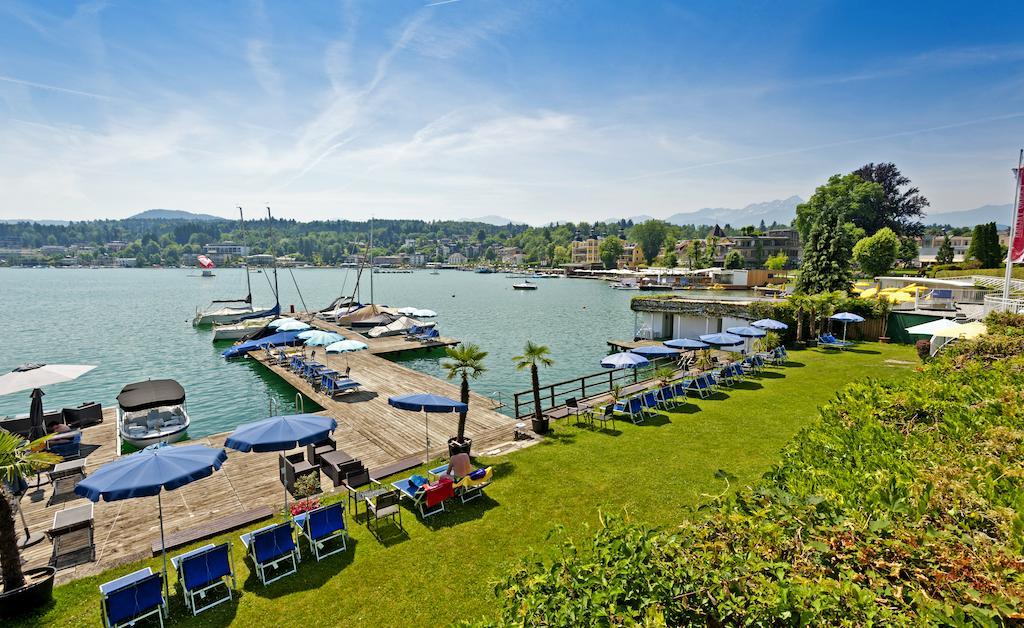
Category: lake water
[135,324]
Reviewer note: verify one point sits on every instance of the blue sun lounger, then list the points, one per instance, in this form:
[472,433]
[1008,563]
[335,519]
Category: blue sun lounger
[324,525]
[269,547]
[666,396]
[828,340]
[333,385]
[203,570]
[633,407]
[130,598]
[703,385]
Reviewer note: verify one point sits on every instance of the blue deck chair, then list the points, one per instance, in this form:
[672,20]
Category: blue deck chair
[702,385]
[828,340]
[203,570]
[130,598]
[269,547]
[679,389]
[417,494]
[324,525]
[632,407]
[334,385]
[649,401]
[666,396]
[430,334]
[297,363]
[783,354]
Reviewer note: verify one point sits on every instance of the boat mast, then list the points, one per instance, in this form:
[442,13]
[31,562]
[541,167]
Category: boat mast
[248,283]
[273,254]
[369,253]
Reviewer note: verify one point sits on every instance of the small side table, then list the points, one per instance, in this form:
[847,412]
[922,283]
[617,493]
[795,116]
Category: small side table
[72,534]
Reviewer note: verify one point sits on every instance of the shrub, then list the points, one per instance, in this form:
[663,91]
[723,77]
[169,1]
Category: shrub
[903,504]
[307,485]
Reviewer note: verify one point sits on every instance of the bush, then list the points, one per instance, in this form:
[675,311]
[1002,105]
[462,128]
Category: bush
[902,505]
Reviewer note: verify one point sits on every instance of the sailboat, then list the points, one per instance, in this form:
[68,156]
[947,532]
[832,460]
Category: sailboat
[226,311]
[349,311]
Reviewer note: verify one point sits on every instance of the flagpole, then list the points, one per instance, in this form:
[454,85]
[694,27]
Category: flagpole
[1013,231]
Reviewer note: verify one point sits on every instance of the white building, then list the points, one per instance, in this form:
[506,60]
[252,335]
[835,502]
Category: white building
[457,259]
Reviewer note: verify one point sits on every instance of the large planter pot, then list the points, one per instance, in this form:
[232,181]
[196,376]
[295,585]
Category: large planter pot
[540,426]
[455,446]
[38,590]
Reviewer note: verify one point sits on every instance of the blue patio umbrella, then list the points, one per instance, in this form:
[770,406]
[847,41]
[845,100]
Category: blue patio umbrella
[280,433]
[149,472]
[722,340]
[277,322]
[845,318]
[746,333]
[425,403]
[624,360]
[319,338]
[688,344]
[770,324]
[655,351]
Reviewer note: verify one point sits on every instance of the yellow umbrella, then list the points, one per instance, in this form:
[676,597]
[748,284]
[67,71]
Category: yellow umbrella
[897,297]
[870,292]
[972,330]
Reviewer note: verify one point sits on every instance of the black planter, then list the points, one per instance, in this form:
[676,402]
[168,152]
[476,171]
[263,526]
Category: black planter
[540,426]
[455,446]
[38,592]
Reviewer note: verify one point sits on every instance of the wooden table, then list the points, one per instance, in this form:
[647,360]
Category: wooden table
[72,535]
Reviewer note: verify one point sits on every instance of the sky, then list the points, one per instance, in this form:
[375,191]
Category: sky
[535,110]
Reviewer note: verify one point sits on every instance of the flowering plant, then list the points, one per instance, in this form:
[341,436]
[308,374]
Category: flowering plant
[304,505]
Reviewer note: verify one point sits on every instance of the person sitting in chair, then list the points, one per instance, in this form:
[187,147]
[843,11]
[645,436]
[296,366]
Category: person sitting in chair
[459,466]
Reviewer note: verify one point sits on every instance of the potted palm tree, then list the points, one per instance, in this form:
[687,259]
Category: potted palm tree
[23,589]
[467,361]
[533,355]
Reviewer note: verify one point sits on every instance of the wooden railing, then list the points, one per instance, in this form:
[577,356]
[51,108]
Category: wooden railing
[554,395]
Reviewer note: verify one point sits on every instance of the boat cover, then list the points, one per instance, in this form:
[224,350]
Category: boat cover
[397,327]
[283,338]
[152,393]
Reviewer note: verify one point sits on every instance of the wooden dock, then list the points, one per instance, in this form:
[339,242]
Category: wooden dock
[386,439]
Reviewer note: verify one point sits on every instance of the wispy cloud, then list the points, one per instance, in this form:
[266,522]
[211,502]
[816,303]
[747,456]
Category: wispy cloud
[55,88]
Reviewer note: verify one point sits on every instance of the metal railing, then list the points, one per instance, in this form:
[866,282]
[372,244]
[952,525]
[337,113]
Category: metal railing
[996,303]
[554,395]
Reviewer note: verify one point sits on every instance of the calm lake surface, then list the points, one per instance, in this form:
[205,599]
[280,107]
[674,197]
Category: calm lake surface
[135,324]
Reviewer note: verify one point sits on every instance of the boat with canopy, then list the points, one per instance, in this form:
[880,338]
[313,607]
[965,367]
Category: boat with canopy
[152,412]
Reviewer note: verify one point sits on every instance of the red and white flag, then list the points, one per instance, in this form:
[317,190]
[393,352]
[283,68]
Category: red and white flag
[1017,246]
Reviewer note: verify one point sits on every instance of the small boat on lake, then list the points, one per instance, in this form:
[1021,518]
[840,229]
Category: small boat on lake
[526,285]
[152,412]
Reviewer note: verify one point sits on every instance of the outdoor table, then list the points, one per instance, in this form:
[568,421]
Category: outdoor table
[65,476]
[72,534]
[332,462]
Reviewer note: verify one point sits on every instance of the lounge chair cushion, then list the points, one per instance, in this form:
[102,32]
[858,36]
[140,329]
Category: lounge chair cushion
[132,600]
[273,543]
[323,522]
[206,567]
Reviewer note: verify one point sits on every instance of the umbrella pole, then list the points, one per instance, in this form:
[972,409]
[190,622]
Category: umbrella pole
[163,548]
[426,431]
[844,331]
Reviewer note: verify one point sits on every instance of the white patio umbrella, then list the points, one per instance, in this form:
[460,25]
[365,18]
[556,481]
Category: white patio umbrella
[29,376]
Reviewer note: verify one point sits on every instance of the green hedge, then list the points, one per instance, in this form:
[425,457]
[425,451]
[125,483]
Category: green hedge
[903,504]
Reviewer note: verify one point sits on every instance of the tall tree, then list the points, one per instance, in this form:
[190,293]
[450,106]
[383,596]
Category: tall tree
[466,360]
[609,250]
[945,253]
[534,355]
[650,236]
[827,254]
[734,259]
[848,195]
[901,207]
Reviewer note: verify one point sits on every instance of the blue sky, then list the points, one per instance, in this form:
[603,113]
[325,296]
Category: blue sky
[538,111]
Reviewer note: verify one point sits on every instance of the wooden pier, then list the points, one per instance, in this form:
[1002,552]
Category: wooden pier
[386,439]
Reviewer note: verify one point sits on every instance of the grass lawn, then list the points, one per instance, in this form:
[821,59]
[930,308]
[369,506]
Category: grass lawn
[444,569]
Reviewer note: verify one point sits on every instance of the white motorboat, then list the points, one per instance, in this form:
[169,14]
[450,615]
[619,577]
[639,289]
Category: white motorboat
[234,331]
[152,412]
[526,285]
[626,284]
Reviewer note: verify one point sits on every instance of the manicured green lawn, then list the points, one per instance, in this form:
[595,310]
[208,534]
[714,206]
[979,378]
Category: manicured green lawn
[444,569]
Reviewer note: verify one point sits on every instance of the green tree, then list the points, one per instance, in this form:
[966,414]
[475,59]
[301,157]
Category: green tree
[610,249]
[669,260]
[777,261]
[467,361]
[900,208]
[759,255]
[985,246]
[907,252]
[734,260]
[534,355]
[945,253]
[18,459]
[876,254]
[846,196]
[827,253]
[560,255]
[650,236]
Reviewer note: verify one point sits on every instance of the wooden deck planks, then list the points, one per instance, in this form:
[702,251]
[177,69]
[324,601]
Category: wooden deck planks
[368,428]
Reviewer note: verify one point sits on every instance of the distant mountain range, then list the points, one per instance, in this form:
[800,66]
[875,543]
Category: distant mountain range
[497,221]
[172,214]
[781,211]
[999,214]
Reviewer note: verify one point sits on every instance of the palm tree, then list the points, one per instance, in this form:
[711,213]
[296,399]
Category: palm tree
[534,354]
[18,459]
[466,360]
